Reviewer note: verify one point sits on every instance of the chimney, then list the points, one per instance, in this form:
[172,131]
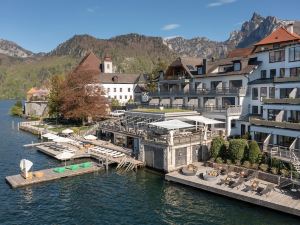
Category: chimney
[290,28]
[204,66]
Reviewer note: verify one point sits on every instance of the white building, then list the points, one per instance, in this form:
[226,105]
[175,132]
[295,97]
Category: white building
[275,92]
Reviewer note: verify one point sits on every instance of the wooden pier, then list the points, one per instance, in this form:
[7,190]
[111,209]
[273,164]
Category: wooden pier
[277,200]
[16,181]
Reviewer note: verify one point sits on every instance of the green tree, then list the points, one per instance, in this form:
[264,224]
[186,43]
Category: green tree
[154,75]
[54,102]
[254,152]
[17,109]
[237,148]
[218,143]
[115,103]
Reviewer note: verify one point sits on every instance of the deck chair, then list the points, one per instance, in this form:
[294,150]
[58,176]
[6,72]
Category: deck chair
[237,183]
[252,187]
[226,180]
[267,190]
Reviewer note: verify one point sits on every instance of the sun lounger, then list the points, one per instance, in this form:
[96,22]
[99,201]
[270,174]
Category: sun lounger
[252,187]
[226,180]
[267,190]
[251,176]
[237,183]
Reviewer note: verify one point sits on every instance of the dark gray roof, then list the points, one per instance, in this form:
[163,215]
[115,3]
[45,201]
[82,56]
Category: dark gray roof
[261,81]
[119,78]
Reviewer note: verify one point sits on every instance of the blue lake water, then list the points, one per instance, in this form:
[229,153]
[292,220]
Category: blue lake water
[109,197]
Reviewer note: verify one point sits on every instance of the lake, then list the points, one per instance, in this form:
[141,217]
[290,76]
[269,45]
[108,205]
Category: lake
[109,197]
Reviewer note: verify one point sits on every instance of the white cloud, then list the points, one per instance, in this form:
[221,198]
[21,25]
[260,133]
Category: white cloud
[91,9]
[170,26]
[220,3]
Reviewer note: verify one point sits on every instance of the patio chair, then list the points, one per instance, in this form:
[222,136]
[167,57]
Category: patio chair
[237,183]
[267,190]
[252,187]
[226,180]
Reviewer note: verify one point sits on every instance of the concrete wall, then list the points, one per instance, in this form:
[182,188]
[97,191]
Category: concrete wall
[36,108]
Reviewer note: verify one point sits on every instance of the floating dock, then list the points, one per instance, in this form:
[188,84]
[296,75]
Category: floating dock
[276,200]
[16,181]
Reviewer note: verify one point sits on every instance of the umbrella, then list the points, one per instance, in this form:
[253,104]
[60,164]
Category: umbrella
[67,131]
[90,137]
[25,166]
[50,136]
[64,156]
[62,139]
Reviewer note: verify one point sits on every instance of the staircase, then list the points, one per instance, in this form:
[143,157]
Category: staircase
[295,161]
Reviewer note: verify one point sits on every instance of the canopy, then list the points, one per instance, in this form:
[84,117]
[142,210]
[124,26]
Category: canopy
[90,137]
[62,139]
[50,136]
[67,131]
[172,124]
[64,155]
[202,119]
[25,165]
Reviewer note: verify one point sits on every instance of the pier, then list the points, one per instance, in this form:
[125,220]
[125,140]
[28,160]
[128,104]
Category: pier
[277,200]
[18,180]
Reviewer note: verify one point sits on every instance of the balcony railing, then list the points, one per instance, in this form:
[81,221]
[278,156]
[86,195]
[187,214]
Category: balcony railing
[294,101]
[286,79]
[282,152]
[269,123]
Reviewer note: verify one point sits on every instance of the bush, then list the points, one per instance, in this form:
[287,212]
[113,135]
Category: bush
[229,162]
[264,167]
[211,160]
[17,109]
[247,164]
[254,152]
[246,136]
[217,144]
[274,170]
[275,162]
[219,160]
[254,166]
[284,172]
[237,148]
[238,162]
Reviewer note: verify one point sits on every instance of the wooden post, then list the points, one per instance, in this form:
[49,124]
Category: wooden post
[106,163]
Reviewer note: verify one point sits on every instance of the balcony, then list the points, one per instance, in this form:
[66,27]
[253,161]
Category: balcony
[292,101]
[286,79]
[167,93]
[278,124]
[223,91]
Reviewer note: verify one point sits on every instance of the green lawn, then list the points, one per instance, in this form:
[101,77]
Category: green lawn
[165,110]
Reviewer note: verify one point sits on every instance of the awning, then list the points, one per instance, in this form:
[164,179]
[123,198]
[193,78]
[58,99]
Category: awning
[64,155]
[165,101]
[202,119]
[172,124]
[154,101]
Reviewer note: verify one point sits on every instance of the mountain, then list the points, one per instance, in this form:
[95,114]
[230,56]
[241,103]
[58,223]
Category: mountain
[21,69]
[10,48]
[251,32]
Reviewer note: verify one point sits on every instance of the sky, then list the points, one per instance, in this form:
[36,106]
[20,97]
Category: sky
[40,25]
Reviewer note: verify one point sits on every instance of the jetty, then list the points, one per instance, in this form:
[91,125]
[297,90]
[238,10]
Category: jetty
[276,200]
[45,175]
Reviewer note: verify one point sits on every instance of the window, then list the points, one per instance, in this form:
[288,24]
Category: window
[255,109]
[130,96]
[120,89]
[237,66]
[128,89]
[272,73]
[125,96]
[282,72]
[263,93]
[261,110]
[108,89]
[294,72]
[276,56]
[271,92]
[263,74]
[233,123]
[294,54]
[115,97]
[120,96]
[115,89]
[254,93]
[200,70]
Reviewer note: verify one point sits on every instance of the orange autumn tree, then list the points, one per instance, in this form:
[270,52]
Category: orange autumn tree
[82,96]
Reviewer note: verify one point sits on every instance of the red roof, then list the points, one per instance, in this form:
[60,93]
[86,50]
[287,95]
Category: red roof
[240,52]
[89,62]
[279,35]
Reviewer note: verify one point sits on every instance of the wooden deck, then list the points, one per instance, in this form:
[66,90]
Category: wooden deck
[277,200]
[16,181]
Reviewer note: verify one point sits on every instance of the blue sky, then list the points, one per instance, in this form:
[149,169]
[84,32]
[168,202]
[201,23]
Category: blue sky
[39,25]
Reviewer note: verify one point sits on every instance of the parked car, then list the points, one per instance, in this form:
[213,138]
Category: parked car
[117,113]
